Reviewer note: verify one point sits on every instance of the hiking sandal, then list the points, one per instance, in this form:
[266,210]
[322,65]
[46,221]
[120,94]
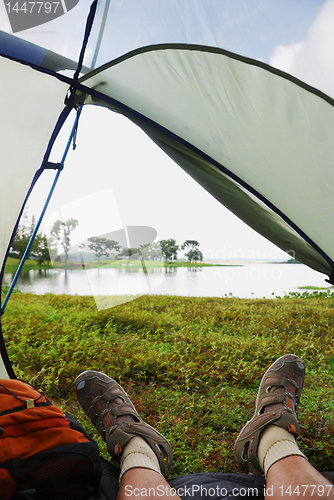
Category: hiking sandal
[109,408]
[276,403]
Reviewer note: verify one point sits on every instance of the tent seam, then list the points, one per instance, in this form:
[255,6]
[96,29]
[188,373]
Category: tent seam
[223,169]
[215,50]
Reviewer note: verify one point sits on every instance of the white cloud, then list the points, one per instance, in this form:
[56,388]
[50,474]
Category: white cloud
[285,55]
[312,60]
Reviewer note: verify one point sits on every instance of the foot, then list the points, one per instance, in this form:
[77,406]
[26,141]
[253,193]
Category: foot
[114,416]
[276,403]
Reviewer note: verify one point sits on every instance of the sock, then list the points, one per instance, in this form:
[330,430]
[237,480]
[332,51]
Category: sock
[138,453]
[276,443]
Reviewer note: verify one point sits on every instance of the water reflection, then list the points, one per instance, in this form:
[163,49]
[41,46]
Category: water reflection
[29,277]
[246,281]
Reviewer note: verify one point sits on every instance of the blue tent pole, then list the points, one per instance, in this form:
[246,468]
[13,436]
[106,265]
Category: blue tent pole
[59,167]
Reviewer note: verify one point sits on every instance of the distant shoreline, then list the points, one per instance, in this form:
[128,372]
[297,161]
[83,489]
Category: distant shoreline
[12,264]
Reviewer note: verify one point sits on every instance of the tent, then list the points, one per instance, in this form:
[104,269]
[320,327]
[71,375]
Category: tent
[237,93]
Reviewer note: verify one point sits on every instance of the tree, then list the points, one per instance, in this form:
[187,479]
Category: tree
[169,249]
[151,251]
[32,225]
[194,254]
[61,232]
[102,246]
[130,252]
[20,243]
[40,250]
[22,238]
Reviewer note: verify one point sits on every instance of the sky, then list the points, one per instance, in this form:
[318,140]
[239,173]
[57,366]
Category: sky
[116,160]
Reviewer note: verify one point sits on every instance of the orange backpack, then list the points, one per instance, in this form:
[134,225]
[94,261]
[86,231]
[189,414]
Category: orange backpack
[43,452]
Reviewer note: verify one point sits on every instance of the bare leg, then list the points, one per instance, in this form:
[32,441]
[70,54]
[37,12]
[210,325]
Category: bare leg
[142,484]
[294,477]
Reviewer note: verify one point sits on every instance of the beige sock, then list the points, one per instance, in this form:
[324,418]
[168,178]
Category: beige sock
[138,453]
[276,443]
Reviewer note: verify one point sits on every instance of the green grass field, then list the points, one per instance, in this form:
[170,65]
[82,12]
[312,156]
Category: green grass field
[30,264]
[190,365]
[12,264]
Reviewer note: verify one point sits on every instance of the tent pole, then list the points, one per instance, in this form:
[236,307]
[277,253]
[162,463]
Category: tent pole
[59,167]
[99,40]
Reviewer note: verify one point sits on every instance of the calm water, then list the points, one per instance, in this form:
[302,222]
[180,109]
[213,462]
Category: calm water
[245,281]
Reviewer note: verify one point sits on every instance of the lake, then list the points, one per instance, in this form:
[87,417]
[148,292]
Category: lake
[244,281]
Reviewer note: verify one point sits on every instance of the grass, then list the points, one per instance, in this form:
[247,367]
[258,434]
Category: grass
[13,263]
[190,365]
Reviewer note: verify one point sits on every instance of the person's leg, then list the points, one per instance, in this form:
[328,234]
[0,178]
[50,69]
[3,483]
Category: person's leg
[267,442]
[143,484]
[293,477]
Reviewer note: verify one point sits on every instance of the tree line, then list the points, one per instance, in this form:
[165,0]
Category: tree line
[169,250]
[44,249]
[39,249]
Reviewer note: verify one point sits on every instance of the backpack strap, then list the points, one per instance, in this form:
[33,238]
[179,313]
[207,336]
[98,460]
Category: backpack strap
[44,453]
[27,403]
[76,426]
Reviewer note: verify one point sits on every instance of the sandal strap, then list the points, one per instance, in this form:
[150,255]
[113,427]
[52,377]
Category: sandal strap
[107,397]
[274,380]
[269,399]
[285,415]
[119,410]
[105,408]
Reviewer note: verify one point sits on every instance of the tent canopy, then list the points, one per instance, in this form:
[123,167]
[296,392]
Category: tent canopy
[202,80]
